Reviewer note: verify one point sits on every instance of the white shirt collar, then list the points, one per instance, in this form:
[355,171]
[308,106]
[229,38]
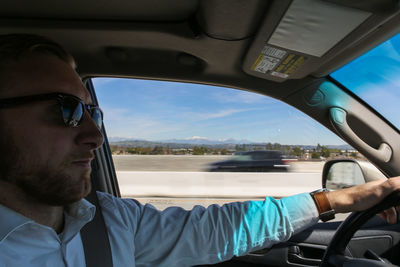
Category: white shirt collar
[76,216]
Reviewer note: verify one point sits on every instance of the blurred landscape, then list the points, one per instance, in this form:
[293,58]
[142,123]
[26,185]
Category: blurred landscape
[202,146]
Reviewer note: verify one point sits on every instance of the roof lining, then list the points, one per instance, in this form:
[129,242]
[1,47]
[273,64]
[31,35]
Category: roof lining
[221,60]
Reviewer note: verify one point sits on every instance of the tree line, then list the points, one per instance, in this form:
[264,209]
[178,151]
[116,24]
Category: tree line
[316,152]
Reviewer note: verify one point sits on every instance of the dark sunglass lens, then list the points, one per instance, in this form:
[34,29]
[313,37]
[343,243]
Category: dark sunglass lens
[72,111]
[97,116]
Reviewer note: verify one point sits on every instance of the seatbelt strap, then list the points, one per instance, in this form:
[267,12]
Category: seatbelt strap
[96,244]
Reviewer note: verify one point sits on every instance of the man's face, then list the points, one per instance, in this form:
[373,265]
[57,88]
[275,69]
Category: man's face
[47,160]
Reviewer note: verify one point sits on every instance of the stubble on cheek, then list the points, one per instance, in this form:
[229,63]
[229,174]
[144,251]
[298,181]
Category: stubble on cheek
[56,186]
[43,179]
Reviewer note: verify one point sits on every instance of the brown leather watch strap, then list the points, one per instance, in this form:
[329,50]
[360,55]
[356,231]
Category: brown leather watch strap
[322,202]
[325,210]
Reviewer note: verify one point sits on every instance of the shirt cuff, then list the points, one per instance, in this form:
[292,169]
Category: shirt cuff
[302,211]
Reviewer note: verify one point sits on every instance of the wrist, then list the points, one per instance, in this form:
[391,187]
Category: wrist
[321,201]
[339,201]
[331,198]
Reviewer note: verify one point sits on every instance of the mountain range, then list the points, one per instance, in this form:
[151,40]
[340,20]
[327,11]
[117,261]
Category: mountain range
[201,141]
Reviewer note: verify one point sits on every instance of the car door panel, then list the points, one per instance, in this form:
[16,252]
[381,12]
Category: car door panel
[307,247]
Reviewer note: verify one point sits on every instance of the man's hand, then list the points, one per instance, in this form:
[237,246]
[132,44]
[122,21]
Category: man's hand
[364,196]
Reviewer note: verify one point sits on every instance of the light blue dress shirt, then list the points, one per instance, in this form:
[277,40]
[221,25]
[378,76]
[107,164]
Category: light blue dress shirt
[141,235]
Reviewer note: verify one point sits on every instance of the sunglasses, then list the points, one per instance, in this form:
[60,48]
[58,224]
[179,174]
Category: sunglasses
[72,107]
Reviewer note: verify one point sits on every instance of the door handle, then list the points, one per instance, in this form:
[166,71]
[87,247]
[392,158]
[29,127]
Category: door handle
[339,122]
[295,256]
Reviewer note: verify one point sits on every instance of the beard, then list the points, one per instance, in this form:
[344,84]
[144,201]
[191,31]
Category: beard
[53,186]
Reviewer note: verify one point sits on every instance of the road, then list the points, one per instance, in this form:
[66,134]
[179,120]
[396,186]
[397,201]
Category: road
[155,179]
[188,163]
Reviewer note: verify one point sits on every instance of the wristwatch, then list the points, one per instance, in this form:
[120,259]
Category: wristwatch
[325,210]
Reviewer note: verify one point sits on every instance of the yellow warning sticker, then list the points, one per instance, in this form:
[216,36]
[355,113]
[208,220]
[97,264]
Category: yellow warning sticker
[277,62]
[290,64]
[260,57]
[264,63]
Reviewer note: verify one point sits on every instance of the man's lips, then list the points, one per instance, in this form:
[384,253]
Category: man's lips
[83,162]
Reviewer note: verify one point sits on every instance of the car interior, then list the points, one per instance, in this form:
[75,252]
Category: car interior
[283,49]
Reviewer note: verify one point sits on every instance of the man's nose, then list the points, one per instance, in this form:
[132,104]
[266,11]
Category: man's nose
[89,133]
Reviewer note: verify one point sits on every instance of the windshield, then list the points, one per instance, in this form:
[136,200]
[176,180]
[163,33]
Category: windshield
[374,77]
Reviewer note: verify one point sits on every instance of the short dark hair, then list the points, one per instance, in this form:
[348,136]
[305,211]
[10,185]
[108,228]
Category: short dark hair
[14,47]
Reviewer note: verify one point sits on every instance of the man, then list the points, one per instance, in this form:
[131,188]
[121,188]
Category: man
[49,130]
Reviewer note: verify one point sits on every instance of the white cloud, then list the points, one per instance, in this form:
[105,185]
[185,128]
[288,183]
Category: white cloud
[242,97]
[198,116]
[121,122]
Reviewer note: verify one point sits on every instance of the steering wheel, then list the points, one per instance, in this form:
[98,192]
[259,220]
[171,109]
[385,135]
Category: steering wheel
[334,254]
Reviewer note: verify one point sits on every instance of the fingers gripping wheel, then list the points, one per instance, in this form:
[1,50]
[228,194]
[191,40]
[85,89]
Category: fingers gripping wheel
[334,254]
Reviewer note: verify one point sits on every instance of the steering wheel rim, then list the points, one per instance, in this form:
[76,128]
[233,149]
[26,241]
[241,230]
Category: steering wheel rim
[334,254]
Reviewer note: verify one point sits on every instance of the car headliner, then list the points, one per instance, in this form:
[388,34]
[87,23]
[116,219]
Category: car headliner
[188,40]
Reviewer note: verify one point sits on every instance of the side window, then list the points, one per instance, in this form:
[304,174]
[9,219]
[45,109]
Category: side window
[188,144]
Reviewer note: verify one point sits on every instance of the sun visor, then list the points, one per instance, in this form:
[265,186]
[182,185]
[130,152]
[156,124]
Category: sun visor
[306,32]
[313,27]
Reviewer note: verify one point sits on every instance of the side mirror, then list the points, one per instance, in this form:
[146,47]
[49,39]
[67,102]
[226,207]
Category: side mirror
[343,173]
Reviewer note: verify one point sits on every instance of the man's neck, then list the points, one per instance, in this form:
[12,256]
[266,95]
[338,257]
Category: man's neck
[14,198]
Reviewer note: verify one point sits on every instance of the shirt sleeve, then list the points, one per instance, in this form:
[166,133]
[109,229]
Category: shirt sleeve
[177,237]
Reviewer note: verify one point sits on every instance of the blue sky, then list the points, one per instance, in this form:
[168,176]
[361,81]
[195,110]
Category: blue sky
[155,110]
[375,77]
